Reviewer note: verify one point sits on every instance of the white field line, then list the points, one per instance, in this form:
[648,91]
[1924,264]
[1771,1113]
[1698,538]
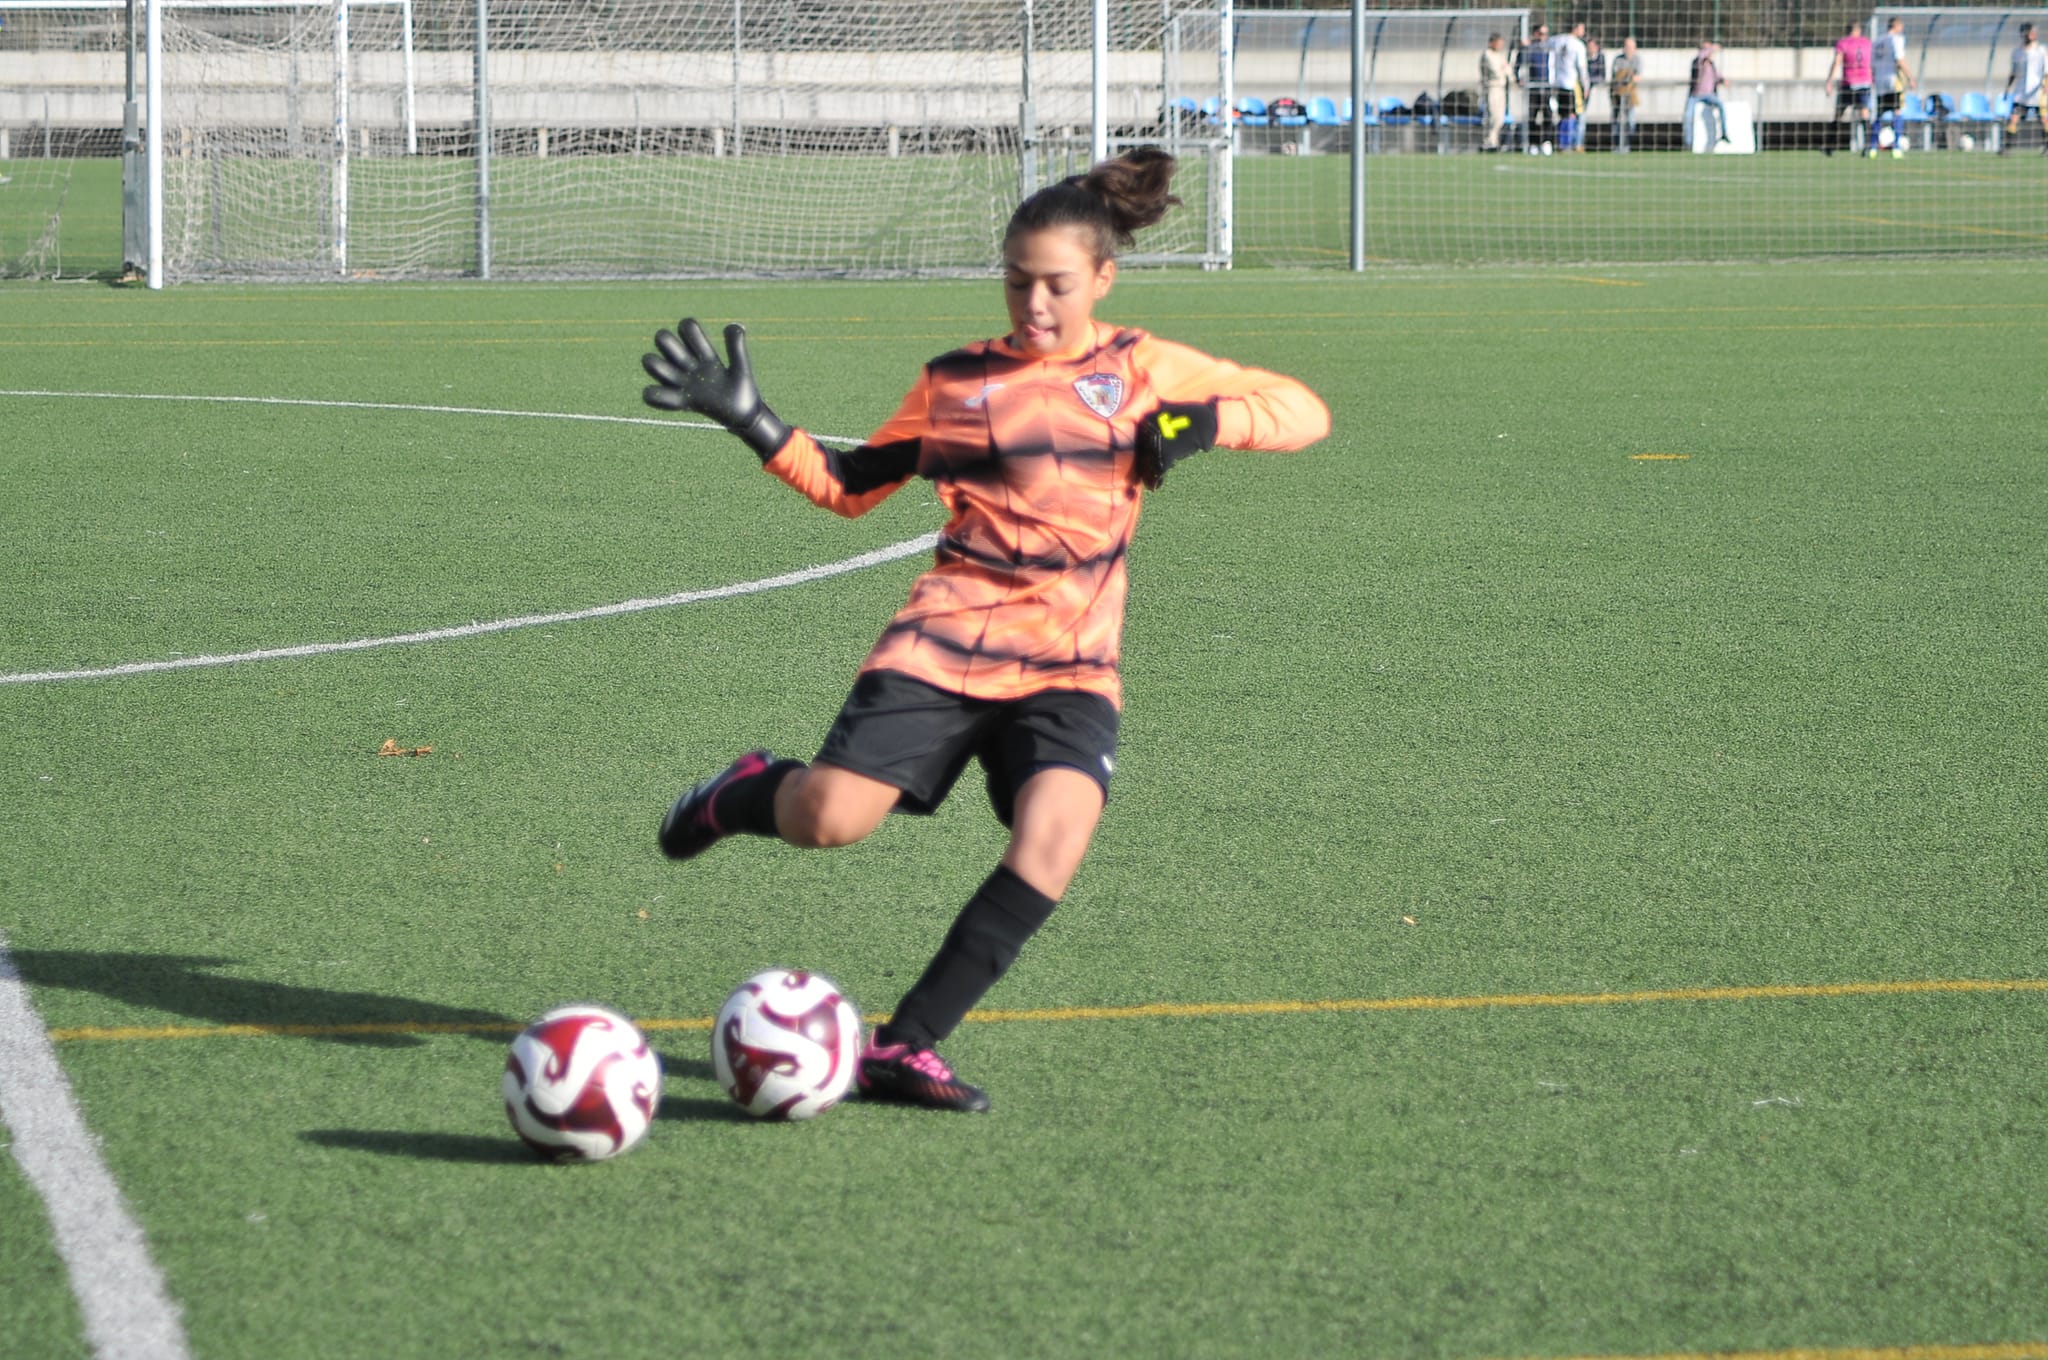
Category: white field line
[922,543]
[907,548]
[128,1314]
[365,406]
[1548,172]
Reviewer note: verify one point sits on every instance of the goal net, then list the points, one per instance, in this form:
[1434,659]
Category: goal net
[1961,64]
[1788,181]
[60,138]
[648,138]
[1420,102]
[276,120]
[640,138]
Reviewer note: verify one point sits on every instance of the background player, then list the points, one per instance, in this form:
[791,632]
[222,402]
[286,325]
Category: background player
[1039,444]
[2029,67]
[1849,79]
[1890,77]
[1568,73]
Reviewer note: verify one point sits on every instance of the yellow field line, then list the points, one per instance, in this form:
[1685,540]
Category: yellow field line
[1201,1010]
[103,1033]
[1943,175]
[1604,283]
[1992,1350]
[1160,1010]
[1947,226]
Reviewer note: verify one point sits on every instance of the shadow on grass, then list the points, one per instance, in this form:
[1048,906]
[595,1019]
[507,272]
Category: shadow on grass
[187,986]
[689,1069]
[428,1147]
[480,1150]
[683,1108]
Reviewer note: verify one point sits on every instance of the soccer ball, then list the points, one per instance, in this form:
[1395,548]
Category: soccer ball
[785,1045]
[1969,143]
[581,1084]
[1546,148]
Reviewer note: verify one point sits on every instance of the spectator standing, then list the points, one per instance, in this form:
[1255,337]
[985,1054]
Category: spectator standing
[1534,62]
[1622,93]
[1849,81]
[1496,73]
[1890,76]
[2029,69]
[1707,83]
[1596,74]
[1568,73]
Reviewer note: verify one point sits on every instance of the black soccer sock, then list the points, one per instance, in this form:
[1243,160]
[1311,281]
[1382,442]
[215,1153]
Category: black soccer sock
[748,803]
[984,941]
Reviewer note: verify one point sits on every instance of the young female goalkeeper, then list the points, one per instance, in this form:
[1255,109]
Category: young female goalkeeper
[1037,444]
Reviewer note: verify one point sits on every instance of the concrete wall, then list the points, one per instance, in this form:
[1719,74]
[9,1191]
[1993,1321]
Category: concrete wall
[643,89]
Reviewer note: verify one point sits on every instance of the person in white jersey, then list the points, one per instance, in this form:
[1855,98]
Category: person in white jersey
[2029,67]
[1568,71]
[1891,77]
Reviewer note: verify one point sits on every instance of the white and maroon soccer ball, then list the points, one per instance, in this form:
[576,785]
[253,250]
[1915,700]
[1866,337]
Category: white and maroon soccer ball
[581,1084]
[785,1045]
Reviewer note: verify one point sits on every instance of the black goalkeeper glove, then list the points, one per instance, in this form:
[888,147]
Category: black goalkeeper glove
[1171,433]
[689,377]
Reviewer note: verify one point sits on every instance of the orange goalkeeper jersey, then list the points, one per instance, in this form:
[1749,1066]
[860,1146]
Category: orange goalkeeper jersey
[1033,459]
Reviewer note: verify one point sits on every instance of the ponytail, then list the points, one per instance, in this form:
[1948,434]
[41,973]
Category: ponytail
[1113,201]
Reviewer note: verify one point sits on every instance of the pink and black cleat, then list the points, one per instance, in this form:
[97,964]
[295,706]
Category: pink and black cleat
[692,825]
[914,1076]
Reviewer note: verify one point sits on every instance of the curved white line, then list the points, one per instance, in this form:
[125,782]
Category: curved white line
[908,547]
[922,543]
[370,406]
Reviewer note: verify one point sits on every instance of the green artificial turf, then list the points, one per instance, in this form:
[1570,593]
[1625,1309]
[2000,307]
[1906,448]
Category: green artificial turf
[592,215]
[1471,700]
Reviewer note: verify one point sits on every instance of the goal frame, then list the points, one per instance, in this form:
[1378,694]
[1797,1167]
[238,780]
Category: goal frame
[1210,148]
[153,110]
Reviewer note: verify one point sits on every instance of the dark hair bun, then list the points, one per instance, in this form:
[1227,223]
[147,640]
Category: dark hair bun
[1112,201]
[1135,188]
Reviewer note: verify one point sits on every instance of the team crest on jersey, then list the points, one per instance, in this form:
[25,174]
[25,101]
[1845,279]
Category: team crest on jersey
[1103,392]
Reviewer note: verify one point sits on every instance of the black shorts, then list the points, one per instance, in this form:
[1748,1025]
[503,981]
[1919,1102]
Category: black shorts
[918,738]
[1848,97]
[1888,102]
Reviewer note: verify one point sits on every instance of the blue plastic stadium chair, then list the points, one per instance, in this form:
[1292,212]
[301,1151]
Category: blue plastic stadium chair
[1322,111]
[2002,110]
[1369,119]
[1913,113]
[1252,112]
[1976,108]
[1393,112]
[1210,106]
[1293,120]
